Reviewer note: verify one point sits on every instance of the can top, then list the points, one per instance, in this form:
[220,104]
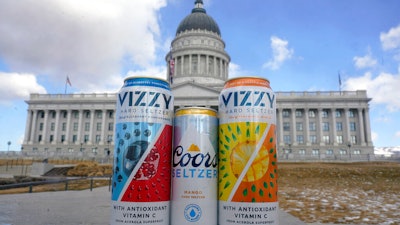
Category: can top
[196,110]
[146,81]
[247,81]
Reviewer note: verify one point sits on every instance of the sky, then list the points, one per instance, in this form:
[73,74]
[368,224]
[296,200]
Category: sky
[299,45]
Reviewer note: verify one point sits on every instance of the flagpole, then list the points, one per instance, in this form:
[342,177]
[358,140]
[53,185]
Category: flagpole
[65,91]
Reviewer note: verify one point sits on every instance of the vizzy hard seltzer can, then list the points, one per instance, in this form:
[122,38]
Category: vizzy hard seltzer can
[247,153]
[194,167]
[142,154]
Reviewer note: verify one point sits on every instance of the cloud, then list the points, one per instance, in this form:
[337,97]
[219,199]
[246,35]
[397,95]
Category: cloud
[381,89]
[366,61]
[391,39]
[88,40]
[16,86]
[280,53]
[397,134]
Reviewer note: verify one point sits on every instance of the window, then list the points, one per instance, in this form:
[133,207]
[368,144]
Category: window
[99,115]
[110,126]
[51,138]
[326,139]
[285,113]
[338,113]
[352,126]
[286,126]
[300,139]
[311,113]
[98,138]
[109,138]
[74,138]
[286,139]
[356,152]
[312,126]
[302,152]
[315,152]
[41,126]
[351,113]
[86,138]
[313,139]
[339,126]
[75,114]
[52,126]
[299,113]
[87,126]
[324,113]
[339,139]
[87,114]
[58,149]
[41,114]
[343,152]
[39,138]
[53,114]
[75,126]
[98,126]
[353,139]
[299,126]
[62,138]
[70,150]
[325,126]
[64,114]
[329,152]
[64,126]
[110,114]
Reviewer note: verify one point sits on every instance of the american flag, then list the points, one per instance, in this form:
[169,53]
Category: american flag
[68,81]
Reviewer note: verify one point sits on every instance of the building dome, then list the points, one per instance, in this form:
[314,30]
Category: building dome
[198,19]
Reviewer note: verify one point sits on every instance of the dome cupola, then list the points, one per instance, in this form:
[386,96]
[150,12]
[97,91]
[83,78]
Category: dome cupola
[198,19]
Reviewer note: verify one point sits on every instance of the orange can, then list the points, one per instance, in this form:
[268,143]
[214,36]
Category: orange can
[247,153]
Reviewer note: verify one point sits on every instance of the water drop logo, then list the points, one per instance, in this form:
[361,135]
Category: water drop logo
[192,213]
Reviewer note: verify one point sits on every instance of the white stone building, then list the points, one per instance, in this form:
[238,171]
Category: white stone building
[311,125]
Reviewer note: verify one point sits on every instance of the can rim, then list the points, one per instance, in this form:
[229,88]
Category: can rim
[143,76]
[244,77]
[196,110]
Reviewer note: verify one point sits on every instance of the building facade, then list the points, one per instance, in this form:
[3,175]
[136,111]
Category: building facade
[310,125]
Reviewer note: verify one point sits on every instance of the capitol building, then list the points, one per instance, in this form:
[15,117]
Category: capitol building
[310,125]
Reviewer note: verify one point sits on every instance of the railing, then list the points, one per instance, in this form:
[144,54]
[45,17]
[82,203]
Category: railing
[66,183]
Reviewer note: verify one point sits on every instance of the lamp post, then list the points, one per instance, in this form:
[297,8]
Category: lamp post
[349,145]
[8,148]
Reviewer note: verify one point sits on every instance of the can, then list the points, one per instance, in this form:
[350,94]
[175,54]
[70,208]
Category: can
[195,167]
[247,153]
[141,182]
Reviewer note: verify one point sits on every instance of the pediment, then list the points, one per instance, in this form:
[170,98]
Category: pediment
[191,89]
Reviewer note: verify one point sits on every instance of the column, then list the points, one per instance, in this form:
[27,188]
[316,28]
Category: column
[103,127]
[307,127]
[33,127]
[79,139]
[57,126]
[182,67]
[367,127]
[207,69]
[91,126]
[346,127]
[333,127]
[190,65]
[319,127]
[44,133]
[215,67]
[28,126]
[293,120]
[280,125]
[67,135]
[361,126]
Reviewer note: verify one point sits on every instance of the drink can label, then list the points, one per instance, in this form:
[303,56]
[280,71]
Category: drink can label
[142,153]
[247,153]
[194,167]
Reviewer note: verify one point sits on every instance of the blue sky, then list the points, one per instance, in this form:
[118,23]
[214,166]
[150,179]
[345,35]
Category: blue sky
[299,45]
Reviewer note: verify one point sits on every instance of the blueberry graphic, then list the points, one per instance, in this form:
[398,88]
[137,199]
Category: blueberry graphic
[119,178]
[127,136]
[136,123]
[118,150]
[117,169]
[136,132]
[124,126]
[147,133]
[121,142]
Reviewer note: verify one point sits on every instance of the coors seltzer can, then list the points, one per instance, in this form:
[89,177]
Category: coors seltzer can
[247,153]
[142,154]
[194,167]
